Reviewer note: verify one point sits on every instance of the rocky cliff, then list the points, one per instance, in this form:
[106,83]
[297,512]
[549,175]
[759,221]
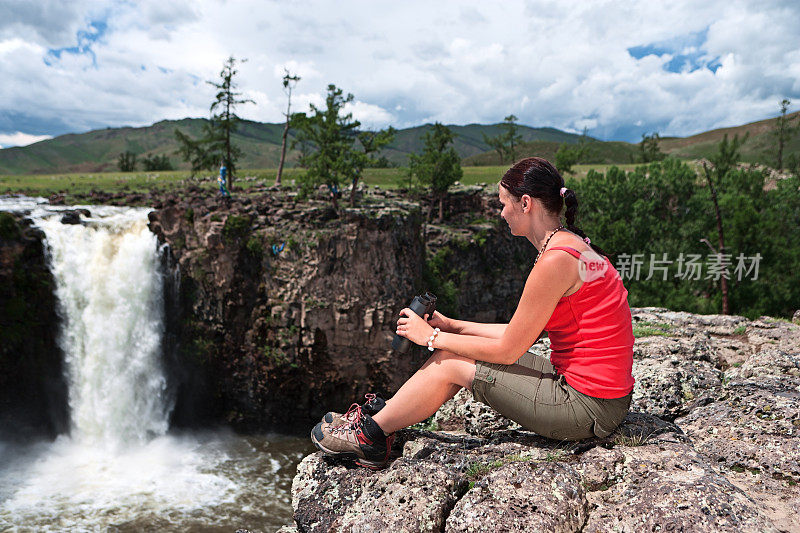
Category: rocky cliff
[33,393]
[711,444]
[287,308]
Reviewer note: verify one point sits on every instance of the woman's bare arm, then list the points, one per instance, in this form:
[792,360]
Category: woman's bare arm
[539,299]
[492,331]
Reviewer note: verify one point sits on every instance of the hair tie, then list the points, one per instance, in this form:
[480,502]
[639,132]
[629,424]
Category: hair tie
[588,241]
[563,191]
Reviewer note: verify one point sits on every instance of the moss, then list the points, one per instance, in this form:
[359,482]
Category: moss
[236,228]
[277,357]
[481,236]
[477,470]
[427,425]
[441,278]
[9,229]
[313,303]
[648,329]
[188,215]
[255,246]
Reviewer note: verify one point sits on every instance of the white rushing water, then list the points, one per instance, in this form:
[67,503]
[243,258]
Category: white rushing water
[109,288]
[119,466]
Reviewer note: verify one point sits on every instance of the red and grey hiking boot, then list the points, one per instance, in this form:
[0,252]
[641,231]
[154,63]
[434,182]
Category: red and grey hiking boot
[371,407]
[361,439]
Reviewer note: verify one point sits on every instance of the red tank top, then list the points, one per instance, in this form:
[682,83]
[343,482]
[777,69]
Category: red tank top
[591,336]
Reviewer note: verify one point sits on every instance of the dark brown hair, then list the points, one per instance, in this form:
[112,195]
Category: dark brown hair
[538,178]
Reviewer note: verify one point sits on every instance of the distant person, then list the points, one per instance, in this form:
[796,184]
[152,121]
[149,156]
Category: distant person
[583,390]
[222,181]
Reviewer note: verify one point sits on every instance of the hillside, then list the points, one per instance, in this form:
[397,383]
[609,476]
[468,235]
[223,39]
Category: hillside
[97,151]
[598,152]
[758,148]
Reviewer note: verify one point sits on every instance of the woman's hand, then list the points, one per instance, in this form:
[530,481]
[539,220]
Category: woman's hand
[414,327]
[438,320]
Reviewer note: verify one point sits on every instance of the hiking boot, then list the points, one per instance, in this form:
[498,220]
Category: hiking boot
[371,407]
[361,439]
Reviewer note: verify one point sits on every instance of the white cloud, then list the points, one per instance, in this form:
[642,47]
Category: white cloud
[370,116]
[20,139]
[559,64]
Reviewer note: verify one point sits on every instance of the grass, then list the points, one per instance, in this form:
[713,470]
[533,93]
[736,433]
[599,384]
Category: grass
[649,329]
[140,182]
[428,425]
[631,440]
[477,470]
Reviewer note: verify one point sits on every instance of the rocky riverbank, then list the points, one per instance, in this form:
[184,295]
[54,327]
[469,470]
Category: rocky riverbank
[711,444]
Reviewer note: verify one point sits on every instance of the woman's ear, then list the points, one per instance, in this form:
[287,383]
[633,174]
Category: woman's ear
[527,203]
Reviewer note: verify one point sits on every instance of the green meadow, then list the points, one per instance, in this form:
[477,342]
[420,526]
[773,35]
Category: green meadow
[84,183]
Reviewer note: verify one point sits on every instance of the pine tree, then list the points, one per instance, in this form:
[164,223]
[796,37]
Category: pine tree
[331,135]
[438,166]
[215,145]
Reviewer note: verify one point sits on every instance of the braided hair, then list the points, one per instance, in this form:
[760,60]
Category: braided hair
[538,178]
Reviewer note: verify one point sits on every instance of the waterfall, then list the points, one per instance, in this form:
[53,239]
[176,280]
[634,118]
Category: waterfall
[109,291]
[119,468]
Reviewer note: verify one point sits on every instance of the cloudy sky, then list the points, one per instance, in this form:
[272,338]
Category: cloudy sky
[618,68]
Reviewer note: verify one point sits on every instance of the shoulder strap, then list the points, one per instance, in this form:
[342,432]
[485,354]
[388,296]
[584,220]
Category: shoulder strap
[570,250]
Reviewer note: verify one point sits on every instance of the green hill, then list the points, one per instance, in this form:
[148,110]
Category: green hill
[759,148]
[598,152]
[97,151]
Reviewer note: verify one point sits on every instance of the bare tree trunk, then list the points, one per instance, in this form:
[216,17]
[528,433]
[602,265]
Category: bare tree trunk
[441,207]
[353,192]
[283,150]
[723,280]
[283,141]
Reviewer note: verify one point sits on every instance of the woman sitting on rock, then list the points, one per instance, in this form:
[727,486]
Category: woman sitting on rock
[573,292]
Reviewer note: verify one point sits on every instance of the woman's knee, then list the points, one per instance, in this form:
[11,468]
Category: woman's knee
[458,369]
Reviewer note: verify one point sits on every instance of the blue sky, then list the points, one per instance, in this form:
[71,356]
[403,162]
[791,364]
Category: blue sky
[618,68]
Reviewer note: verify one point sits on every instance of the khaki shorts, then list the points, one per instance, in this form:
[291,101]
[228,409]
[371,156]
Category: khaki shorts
[531,394]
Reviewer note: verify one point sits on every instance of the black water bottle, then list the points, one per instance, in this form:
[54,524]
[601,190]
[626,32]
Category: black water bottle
[421,305]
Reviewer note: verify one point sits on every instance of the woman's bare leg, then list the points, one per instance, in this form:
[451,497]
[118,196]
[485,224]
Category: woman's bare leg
[439,379]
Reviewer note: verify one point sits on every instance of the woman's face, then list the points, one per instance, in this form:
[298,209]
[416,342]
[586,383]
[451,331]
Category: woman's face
[512,209]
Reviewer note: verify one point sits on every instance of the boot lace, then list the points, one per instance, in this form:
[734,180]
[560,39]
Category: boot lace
[352,418]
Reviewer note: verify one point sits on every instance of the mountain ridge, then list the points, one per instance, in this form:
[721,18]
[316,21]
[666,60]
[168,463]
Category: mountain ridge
[97,150]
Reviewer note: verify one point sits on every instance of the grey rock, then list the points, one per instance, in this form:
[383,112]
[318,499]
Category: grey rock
[669,387]
[71,217]
[407,496]
[523,496]
[669,487]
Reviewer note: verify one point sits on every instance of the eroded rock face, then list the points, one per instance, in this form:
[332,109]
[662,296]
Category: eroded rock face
[711,446]
[287,308]
[33,390]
